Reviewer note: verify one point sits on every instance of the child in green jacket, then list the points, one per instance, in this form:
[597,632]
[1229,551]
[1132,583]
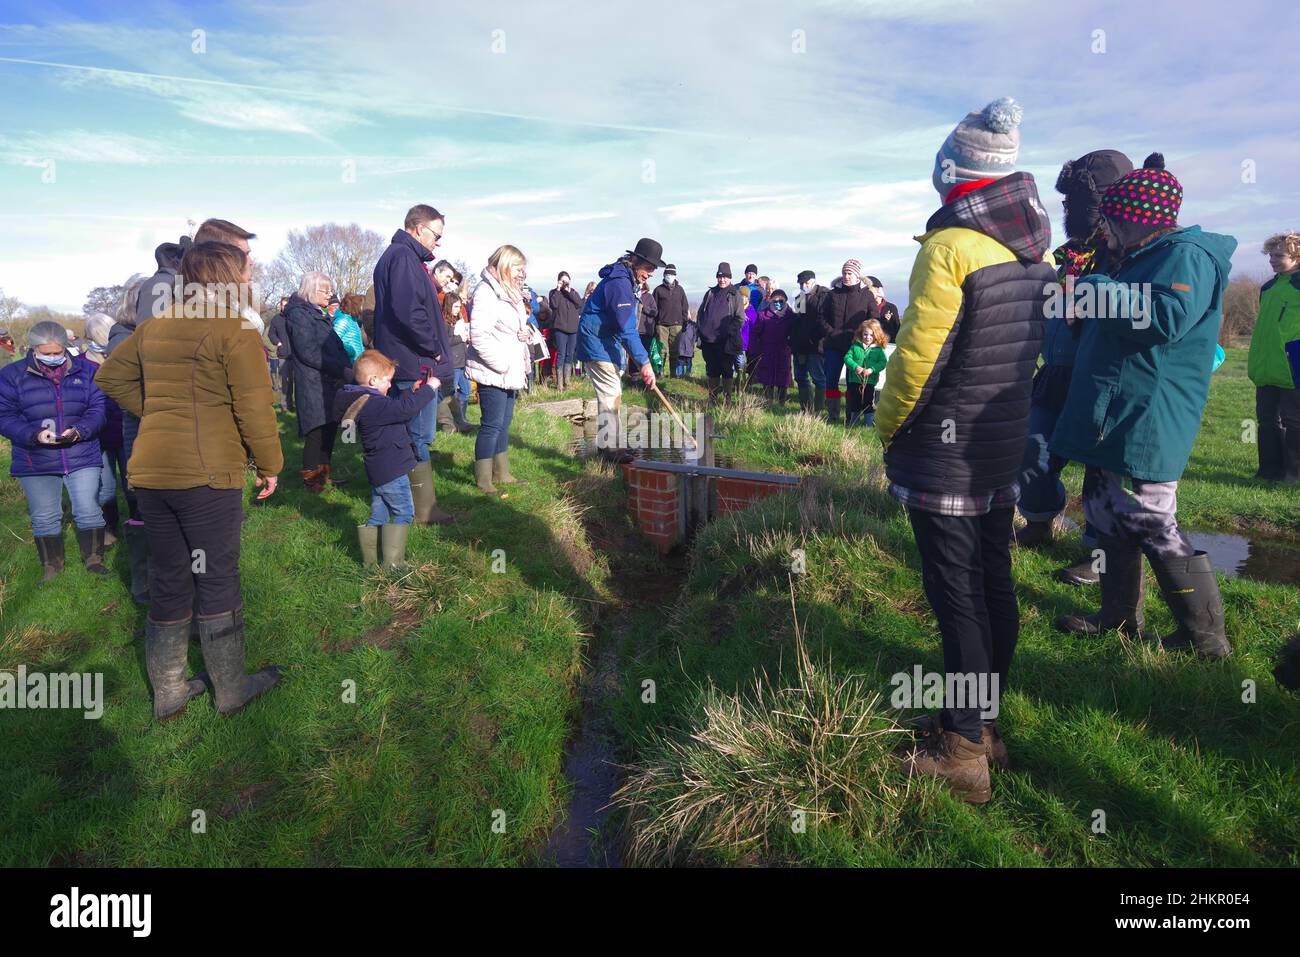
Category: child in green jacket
[864,362]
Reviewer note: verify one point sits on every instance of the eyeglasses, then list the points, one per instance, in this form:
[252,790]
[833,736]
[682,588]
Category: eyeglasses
[437,237]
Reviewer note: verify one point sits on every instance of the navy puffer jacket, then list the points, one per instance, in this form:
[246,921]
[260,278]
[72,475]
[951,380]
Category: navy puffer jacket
[30,403]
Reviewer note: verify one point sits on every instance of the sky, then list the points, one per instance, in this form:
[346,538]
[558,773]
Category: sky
[793,135]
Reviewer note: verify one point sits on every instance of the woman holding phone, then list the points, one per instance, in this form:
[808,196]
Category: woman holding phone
[52,411]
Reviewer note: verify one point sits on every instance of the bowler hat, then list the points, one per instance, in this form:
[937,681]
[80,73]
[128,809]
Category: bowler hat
[650,251]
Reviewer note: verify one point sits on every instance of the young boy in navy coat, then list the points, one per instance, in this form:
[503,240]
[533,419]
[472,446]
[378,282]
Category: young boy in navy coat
[368,413]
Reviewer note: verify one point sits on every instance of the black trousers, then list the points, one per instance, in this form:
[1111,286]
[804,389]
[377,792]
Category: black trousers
[859,401]
[193,550]
[286,383]
[318,445]
[966,571]
[718,363]
[1277,407]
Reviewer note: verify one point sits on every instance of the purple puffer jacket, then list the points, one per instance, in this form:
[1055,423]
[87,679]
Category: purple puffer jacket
[30,402]
[769,348]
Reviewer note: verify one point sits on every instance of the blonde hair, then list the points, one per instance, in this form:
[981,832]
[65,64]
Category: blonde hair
[505,257]
[372,362]
[1288,242]
[881,337]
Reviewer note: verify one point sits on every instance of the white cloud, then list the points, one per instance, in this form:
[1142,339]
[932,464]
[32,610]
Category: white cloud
[562,218]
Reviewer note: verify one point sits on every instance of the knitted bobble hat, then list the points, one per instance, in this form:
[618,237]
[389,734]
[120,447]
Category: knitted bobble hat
[983,145]
[1150,196]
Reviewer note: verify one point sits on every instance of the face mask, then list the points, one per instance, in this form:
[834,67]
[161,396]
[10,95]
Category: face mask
[808,287]
[670,279]
[778,305]
[51,361]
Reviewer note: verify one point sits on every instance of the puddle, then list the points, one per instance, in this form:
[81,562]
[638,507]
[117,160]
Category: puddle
[1272,560]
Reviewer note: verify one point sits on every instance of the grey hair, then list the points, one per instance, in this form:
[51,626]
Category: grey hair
[311,283]
[43,333]
[126,306]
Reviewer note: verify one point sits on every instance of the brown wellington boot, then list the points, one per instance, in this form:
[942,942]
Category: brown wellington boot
[313,480]
[425,498]
[962,763]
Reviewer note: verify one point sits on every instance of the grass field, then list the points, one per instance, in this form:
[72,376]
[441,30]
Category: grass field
[469,676]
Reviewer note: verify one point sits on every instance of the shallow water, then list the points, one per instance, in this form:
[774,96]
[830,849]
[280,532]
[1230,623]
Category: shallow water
[1262,558]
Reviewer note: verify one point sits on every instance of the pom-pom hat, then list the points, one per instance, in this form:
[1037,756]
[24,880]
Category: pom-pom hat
[1150,196]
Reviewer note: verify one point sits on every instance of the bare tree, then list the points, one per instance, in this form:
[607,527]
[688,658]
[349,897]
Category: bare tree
[1240,309]
[10,309]
[347,254]
[103,299]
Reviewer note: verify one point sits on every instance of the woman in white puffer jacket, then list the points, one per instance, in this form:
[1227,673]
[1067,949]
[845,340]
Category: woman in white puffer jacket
[498,359]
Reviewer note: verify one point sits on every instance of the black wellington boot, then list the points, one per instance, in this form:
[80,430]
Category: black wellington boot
[166,656]
[1192,593]
[222,637]
[1122,592]
[91,542]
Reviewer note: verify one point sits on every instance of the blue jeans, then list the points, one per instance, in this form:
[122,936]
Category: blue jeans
[832,366]
[391,503]
[566,345]
[684,366]
[498,408]
[45,500]
[810,366]
[423,426]
[463,389]
[112,474]
[1042,494]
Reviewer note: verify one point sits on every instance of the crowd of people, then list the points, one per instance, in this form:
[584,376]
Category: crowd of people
[1011,360]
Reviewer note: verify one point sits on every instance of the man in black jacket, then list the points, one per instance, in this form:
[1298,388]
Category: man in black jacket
[566,312]
[888,312]
[278,334]
[845,308]
[718,322]
[409,329]
[670,300]
[805,340]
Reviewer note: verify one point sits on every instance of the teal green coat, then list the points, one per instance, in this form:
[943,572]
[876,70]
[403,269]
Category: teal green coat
[1139,386]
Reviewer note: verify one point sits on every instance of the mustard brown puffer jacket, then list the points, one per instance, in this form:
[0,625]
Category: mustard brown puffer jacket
[202,389]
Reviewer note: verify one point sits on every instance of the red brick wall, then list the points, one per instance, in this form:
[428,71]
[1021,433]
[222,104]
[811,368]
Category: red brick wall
[736,493]
[653,497]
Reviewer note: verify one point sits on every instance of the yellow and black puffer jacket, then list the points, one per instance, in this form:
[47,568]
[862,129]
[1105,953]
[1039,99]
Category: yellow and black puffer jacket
[954,411]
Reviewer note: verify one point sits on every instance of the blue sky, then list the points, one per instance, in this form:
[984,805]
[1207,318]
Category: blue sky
[570,130]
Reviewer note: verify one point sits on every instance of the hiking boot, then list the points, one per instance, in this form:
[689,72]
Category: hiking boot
[137,553]
[483,477]
[962,763]
[50,550]
[1192,593]
[928,725]
[393,544]
[1081,572]
[427,511]
[313,479]
[501,470]
[91,543]
[166,657]
[1122,593]
[1033,535]
[368,540]
[222,637]
[328,476]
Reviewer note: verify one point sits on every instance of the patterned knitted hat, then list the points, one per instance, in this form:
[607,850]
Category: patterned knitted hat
[1151,196]
[983,145]
[852,266]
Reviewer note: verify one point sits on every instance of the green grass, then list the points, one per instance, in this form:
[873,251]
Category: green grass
[468,683]
[1186,772]
[464,682]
